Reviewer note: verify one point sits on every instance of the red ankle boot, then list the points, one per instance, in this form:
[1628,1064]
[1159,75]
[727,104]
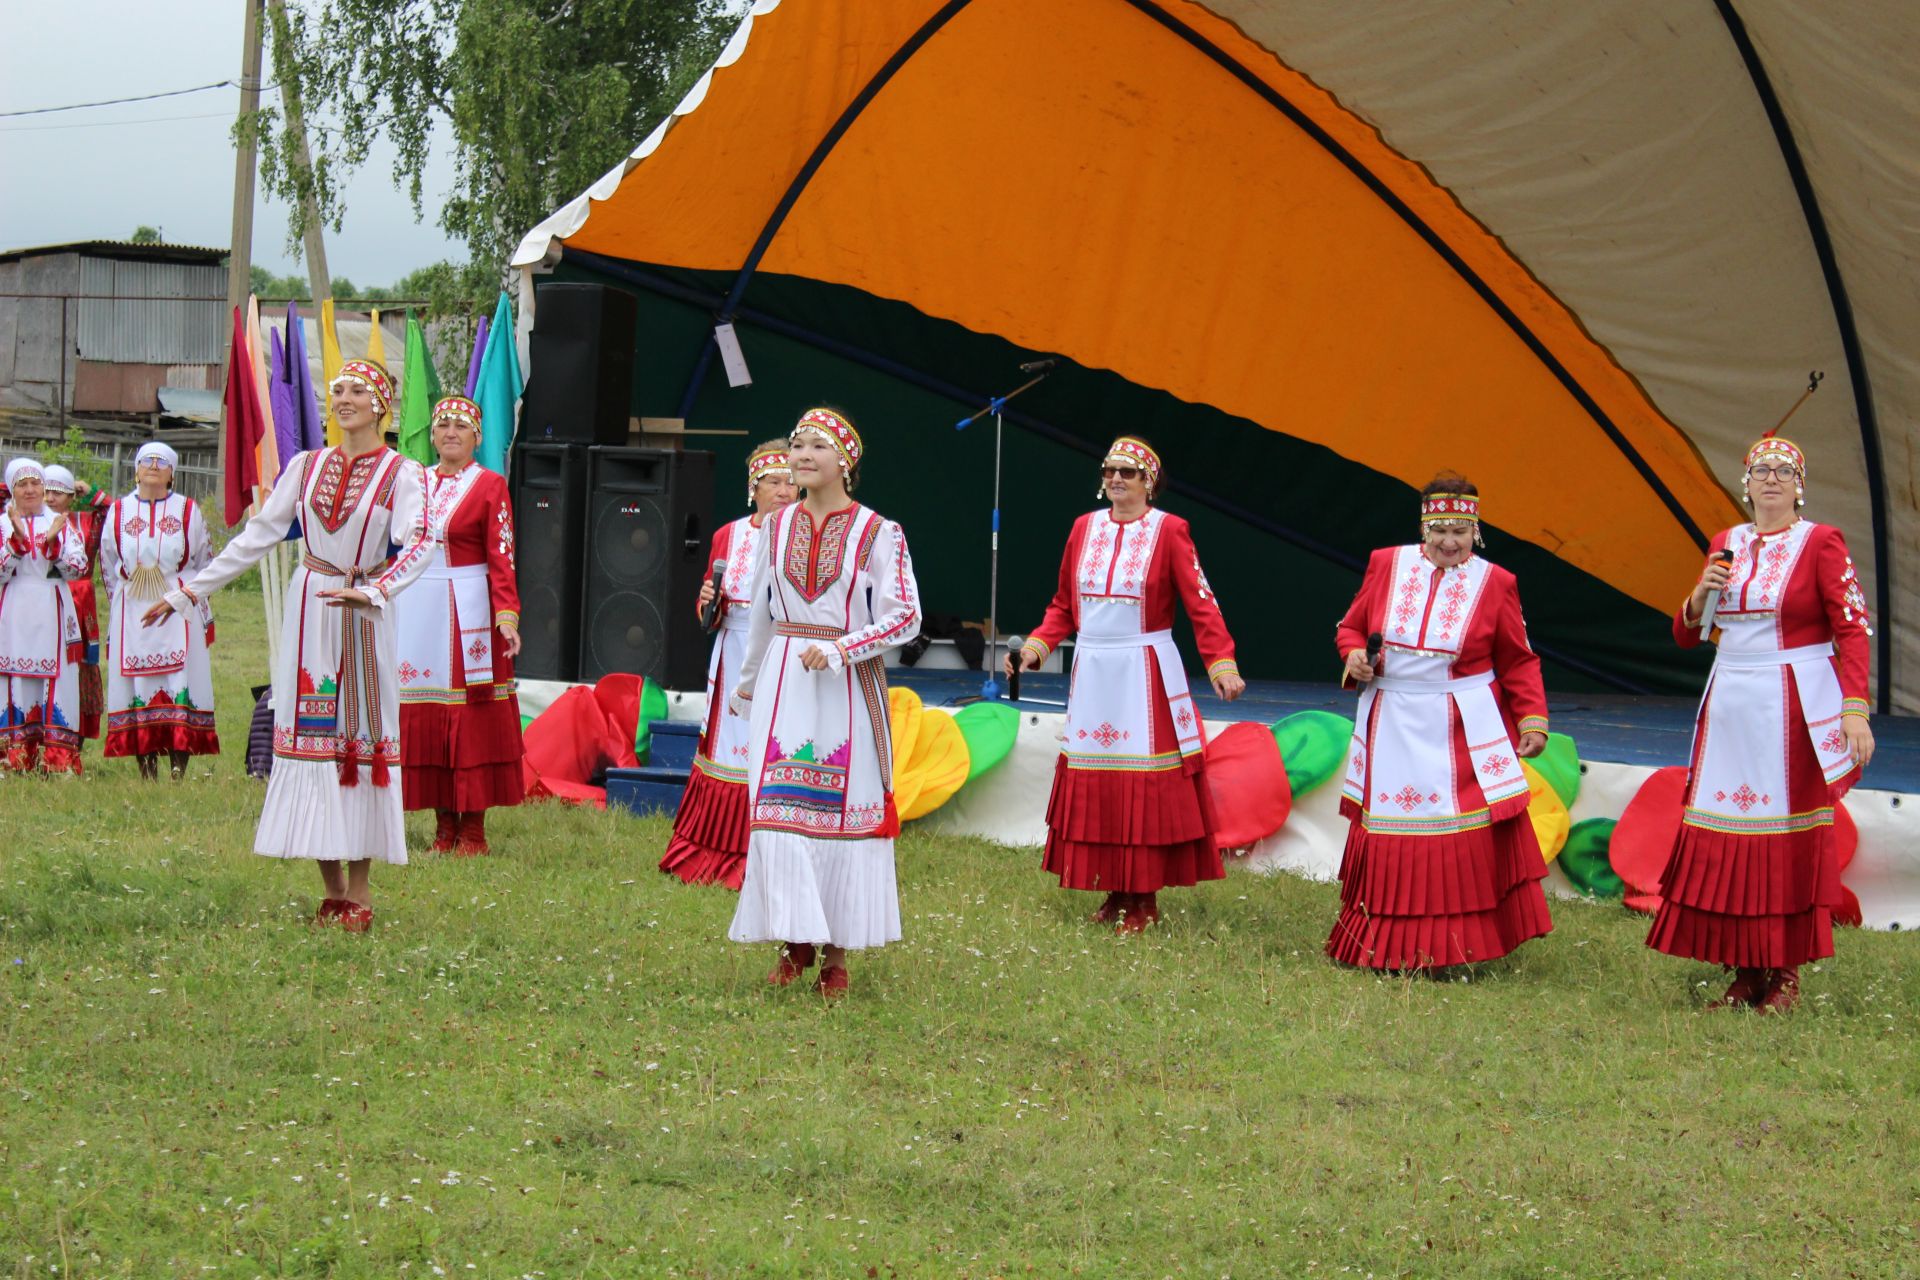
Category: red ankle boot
[1140,910]
[832,983]
[472,840]
[446,825]
[1783,990]
[795,959]
[1749,987]
[1109,910]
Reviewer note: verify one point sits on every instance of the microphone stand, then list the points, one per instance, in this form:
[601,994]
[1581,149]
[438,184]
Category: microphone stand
[997,406]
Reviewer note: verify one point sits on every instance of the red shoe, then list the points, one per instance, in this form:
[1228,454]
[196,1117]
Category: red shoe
[446,825]
[330,910]
[1783,990]
[1141,910]
[355,918]
[1749,987]
[1109,910]
[832,983]
[795,959]
[472,840]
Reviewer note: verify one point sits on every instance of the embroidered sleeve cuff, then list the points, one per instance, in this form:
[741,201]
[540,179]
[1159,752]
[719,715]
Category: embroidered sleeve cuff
[1854,707]
[507,618]
[1224,667]
[1039,648]
[1533,724]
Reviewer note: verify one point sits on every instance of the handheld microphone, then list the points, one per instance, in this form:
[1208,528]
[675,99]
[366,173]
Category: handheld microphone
[1724,556]
[1014,644]
[1038,366]
[710,611]
[1375,643]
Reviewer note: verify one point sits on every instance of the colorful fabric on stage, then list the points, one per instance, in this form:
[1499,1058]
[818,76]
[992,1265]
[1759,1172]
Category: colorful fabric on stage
[460,740]
[1130,810]
[41,645]
[820,752]
[1754,877]
[335,694]
[1441,865]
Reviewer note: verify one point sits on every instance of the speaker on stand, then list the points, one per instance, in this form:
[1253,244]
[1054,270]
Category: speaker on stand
[549,510]
[581,355]
[648,526]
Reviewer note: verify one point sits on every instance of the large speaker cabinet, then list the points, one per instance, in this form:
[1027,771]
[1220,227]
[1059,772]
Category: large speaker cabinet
[648,526]
[581,351]
[549,510]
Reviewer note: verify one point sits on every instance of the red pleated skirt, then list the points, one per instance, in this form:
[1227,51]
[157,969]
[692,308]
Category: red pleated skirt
[464,757]
[709,844]
[93,700]
[1756,901]
[1125,831]
[1410,902]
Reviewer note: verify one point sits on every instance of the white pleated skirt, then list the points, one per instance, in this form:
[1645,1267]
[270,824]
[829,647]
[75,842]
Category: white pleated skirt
[799,889]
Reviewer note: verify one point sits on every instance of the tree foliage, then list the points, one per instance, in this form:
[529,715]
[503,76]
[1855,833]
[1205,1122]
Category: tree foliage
[538,97]
[144,234]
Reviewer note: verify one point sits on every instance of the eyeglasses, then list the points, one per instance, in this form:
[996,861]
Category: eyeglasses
[1125,473]
[1787,475]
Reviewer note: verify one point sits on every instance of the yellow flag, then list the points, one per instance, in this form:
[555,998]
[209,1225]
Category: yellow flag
[377,342]
[330,363]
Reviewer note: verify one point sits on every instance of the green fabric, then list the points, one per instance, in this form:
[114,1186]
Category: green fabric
[419,392]
[1313,747]
[524,722]
[1584,858]
[989,728]
[653,706]
[1559,764]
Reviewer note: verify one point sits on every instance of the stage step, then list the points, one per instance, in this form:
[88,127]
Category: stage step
[674,742]
[646,790]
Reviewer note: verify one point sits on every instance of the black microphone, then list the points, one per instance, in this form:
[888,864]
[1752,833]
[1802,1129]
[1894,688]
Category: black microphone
[1375,643]
[710,611]
[1724,556]
[1038,366]
[1014,645]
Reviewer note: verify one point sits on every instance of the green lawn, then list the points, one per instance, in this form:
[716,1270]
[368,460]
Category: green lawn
[551,1062]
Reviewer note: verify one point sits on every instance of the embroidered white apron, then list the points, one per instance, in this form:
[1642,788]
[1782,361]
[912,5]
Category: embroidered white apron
[37,620]
[445,622]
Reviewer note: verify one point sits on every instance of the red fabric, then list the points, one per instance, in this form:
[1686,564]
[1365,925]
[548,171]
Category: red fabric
[1174,574]
[1643,841]
[93,699]
[1496,639]
[709,844]
[464,758]
[570,741]
[619,698]
[1848,912]
[91,521]
[1131,832]
[246,421]
[1251,794]
[1413,901]
[150,739]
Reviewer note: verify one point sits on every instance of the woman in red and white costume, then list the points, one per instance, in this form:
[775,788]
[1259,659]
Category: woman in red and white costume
[40,644]
[83,504]
[1441,866]
[709,844]
[458,632]
[332,796]
[160,681]
[1781,736]
[1130,812]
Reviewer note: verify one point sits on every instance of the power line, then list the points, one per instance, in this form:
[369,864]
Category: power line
[111,124]
[114,102]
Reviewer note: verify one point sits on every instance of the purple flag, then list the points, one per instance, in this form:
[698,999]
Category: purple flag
[473,365]
[312,425]
[280,405]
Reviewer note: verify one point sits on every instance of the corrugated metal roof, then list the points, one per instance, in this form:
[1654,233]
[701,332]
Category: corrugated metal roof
[125,249]
[126,316]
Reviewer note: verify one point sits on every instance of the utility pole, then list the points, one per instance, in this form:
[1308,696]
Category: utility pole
[316,245]
[240,258]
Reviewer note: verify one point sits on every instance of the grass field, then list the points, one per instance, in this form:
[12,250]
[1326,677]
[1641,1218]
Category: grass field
[551,1063]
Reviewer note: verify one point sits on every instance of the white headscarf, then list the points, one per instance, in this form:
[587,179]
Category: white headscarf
[25,468]
[59,479]
[154,450]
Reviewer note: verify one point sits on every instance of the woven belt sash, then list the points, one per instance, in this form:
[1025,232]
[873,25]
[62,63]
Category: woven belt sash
[359,684]
[807,630]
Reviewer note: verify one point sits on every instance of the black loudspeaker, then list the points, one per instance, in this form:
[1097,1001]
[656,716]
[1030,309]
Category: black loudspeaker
[549,518]
[648,523]
[581,356]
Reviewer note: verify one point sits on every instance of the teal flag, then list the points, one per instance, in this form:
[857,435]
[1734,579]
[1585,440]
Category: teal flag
[419,392]
[498,389]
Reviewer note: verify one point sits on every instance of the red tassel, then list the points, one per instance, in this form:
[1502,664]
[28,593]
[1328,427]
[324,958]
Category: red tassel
[381,772]
[350,766]
[890,824]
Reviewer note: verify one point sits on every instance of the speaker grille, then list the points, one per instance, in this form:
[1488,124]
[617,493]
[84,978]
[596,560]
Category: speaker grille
[629,540]
[626,633]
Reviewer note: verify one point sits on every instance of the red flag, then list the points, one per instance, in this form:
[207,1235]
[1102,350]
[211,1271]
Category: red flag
[246,423]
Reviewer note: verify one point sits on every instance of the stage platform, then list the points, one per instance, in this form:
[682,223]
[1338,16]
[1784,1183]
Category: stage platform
[1617,728]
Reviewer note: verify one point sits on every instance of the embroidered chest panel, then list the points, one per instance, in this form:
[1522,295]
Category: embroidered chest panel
[148,530]
[1115,558]
[1430,609]
[814,557]
[1761,569]
[737,579]
[444,495]
[339,485]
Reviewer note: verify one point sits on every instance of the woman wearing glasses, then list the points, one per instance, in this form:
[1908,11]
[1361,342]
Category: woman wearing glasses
[1781,735]
[1130,813]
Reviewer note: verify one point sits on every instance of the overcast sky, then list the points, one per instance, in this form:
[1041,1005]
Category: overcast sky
[98,174]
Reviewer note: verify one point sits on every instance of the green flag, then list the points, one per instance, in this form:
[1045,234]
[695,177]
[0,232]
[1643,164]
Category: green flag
[419,392]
